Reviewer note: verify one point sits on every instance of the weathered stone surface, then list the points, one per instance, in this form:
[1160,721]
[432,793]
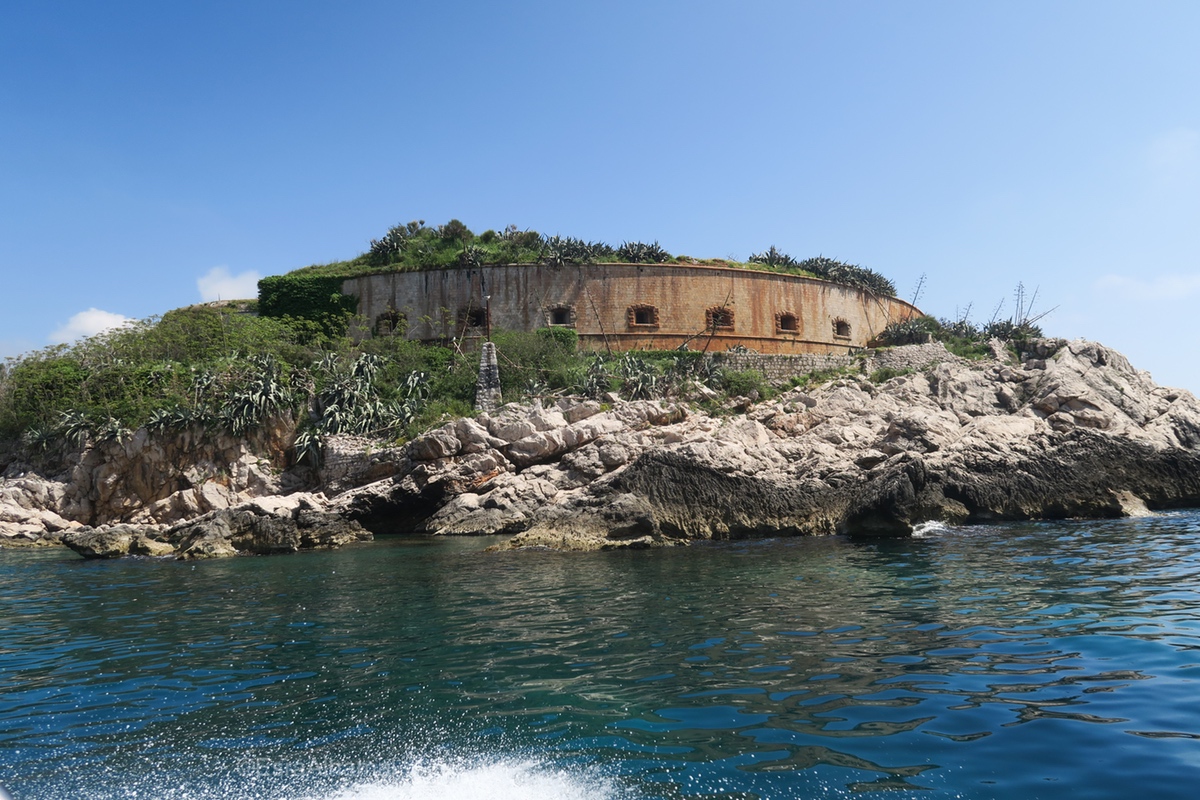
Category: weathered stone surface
[1074,430]
[264,526]
[247,530]
[1070,430]
[109,542]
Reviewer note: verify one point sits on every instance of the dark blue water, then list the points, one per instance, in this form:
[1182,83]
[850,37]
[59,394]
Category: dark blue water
[1021,661]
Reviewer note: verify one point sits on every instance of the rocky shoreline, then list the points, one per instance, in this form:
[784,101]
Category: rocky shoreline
[1069,430]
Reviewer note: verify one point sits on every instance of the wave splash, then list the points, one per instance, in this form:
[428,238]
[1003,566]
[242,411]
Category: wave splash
[931,528]
[495,780]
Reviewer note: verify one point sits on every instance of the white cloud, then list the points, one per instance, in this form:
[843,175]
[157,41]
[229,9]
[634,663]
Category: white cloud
[218,284]
[87,323]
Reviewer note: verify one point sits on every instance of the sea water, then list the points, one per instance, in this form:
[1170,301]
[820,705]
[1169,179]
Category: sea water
[1009,661]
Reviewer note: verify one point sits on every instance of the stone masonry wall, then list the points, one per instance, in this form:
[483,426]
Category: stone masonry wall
[780,367]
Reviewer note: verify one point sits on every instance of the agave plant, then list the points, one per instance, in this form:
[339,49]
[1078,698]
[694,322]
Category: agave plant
[639,380]
[596,381]
[263,395]
[112,430]
[961,329]
[910,331]
[559,251]
[642,253]
[38,440]
[203,384]
[389,249]
[773,258]
[160,421]
[415,386]
[73,427]
[310,447]
[472,256]
[850,274]
[348,402]
[601,250]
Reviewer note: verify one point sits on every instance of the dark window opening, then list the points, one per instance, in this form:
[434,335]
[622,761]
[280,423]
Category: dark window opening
[841,328]
[644,315]
[473,317]
[561,315]
[719,318]
[788,323]
[390,323]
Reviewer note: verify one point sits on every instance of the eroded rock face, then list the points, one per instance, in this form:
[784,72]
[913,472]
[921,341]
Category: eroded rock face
[263,527]
[1072,429]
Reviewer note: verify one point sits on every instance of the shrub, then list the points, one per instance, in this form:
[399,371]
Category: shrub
[917,330]
[887,373]
[746,383]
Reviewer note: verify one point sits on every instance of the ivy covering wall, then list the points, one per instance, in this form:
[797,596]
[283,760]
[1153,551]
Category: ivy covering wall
[316,298]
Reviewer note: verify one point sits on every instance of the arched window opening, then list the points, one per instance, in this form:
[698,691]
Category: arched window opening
[841,329]
[787,322]
[390,323]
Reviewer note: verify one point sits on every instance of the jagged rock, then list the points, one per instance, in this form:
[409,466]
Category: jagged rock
[264,526]
[1071,430]
[247,530]
[107,542]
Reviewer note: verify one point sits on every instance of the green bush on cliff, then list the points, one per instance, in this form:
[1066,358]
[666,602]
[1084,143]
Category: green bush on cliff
[144,369]
[746,383]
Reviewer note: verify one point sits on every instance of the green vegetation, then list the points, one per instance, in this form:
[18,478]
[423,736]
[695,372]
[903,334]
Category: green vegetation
[884,374]
[963,337]
[211,370]
[828,269]
[822,376]
[416,246]
[317,299]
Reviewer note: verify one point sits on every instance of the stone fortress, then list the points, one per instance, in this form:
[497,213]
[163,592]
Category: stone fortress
[630,307]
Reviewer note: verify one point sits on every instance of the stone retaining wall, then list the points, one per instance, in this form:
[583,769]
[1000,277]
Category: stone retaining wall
[780,367]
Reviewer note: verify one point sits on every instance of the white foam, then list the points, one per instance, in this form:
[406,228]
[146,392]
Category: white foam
[498,780]
[930,528]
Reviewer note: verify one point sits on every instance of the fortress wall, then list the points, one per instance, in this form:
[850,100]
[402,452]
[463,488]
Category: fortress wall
[597,300]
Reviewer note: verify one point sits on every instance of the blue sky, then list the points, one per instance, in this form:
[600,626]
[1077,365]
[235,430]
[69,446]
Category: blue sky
[152,154]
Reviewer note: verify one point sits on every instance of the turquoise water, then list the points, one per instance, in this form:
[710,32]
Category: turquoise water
[1033,660]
